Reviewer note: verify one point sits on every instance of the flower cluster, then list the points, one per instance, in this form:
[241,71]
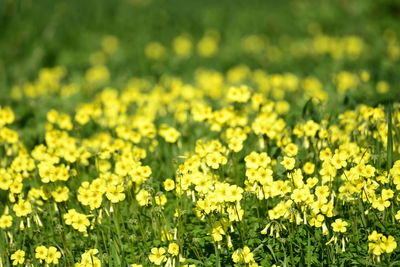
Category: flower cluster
[379,244]
[220,170]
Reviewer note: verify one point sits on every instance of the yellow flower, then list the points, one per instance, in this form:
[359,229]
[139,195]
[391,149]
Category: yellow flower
[208,45]
[173,249]
[96,74]
[382,87]
[77,220]
[252,160]
[182,46]
[239,94]
[235,213]
[160,200]
[310,128]
[170,134]
[89,259]
[291,150]
[322,192]
[53,255]
[5,221]
[169,184]
[247,255]
[243,255]
[22,208]
[143,197]
[288,163]
[41,252]
[380,244]
[5,179]
[339,226]
[325,154]
[157,256]
[69,216]
[380,203]
[18,257]
[388,244]
[109,44]
[80,222]
[234,193]
[387,194]
[397,216]
[374,236]
[297,195]
[217,233]
[338,161]
[215,159]
[115,193]
[375,249]
[6,116]
[236,256]
[60,194]
[155,51]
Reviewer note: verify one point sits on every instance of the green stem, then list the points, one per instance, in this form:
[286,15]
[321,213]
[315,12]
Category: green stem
[389,138]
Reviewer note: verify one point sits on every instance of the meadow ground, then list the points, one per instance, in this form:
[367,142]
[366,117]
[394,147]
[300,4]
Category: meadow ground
[203,133]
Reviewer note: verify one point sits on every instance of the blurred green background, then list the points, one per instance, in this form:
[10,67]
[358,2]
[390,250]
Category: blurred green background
[47,33]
